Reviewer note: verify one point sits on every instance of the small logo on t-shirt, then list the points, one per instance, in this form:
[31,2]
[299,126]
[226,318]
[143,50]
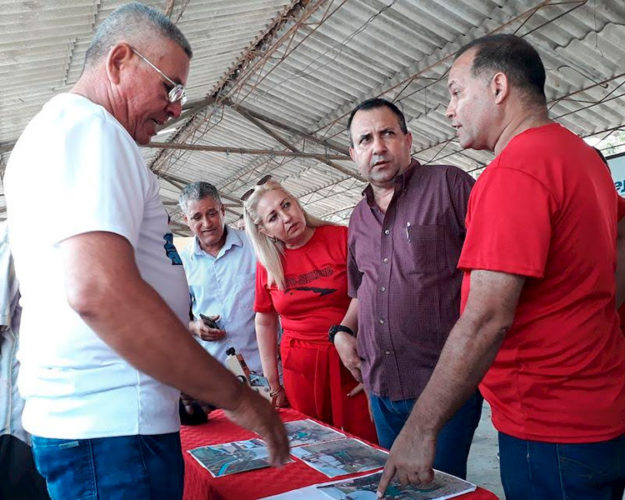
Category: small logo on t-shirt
[295,282]
[170,250]
[320,291]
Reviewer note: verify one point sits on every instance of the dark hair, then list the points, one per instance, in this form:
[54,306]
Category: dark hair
[129,22]
[514,57]
[374,103]
[197,191]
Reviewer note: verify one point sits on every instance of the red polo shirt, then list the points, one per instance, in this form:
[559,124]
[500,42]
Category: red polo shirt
[546,209]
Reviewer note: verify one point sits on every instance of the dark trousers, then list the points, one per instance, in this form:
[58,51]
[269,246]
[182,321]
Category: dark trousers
[19,479]
[534,470]
[454,440]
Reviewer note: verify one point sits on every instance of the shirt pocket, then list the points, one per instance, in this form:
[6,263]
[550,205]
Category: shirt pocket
[425,248]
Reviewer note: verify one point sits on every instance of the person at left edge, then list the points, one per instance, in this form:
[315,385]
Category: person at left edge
[104,339]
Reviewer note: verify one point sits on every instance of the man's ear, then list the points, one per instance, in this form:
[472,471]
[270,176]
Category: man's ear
[408,140]
[352,154]
[117,59]
[500,87]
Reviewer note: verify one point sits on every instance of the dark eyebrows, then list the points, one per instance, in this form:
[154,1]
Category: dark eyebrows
[381,131]
[363,137]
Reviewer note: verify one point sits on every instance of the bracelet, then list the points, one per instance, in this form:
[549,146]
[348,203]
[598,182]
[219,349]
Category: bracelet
[334,329]
[273,394]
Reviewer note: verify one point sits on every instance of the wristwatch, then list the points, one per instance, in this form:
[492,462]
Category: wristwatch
[334,329]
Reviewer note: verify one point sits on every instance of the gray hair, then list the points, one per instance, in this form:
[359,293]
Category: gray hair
[269,250]
[197,191]
[131,23]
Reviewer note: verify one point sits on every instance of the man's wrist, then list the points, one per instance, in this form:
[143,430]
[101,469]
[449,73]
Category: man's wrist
[334,329]
[237,395]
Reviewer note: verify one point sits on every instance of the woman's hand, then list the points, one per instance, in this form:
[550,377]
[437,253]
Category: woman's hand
[278,398]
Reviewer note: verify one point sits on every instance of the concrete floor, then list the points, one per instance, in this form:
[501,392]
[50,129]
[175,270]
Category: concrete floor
[483,468]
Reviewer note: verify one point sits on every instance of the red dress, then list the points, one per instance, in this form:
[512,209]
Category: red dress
[315,298]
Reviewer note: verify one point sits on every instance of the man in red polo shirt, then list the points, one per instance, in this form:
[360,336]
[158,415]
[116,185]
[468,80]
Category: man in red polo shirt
[538,320]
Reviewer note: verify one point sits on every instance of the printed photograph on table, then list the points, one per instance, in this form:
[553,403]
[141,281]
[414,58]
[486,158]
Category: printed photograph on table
[340,457]
[302,432]
[365,487]
[230,458]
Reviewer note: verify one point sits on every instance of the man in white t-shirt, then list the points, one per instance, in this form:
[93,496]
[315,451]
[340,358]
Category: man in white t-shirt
[104,345]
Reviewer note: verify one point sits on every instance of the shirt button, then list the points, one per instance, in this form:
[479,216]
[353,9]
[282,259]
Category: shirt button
[381,321]
[385,260]
[383,289]
[387,231]
[388,353]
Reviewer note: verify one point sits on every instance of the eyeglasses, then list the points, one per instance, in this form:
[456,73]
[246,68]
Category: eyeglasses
[249,192]
[177,93]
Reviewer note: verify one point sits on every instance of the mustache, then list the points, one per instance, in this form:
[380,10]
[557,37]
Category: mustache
[375,159]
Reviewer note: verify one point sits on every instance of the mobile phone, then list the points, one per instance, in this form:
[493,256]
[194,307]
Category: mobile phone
[209,322]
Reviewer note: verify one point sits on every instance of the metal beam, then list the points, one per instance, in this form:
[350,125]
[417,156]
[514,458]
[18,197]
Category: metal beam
[322,158]
[181,183]
[7,146]
[244,151]
[246,64]
[289,128]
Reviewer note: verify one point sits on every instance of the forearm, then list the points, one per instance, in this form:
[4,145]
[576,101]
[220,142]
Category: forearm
[350,319]
[467,355]
[267,337]
[104,287]
[470,348]
[138,325]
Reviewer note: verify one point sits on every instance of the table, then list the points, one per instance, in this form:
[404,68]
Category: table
[251,485]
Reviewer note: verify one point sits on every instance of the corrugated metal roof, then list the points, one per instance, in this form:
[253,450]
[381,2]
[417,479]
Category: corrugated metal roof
[301,66]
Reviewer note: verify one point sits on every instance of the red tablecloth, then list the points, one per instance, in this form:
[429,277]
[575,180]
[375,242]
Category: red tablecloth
[200,485]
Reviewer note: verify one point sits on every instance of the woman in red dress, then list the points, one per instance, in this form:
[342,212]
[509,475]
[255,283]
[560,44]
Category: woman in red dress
[301,281]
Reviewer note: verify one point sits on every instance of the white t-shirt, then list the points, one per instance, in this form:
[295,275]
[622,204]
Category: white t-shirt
[75,169]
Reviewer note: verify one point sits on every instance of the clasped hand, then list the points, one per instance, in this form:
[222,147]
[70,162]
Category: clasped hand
[205,332]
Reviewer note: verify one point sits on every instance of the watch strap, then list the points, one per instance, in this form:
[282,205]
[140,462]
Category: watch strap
[334,329]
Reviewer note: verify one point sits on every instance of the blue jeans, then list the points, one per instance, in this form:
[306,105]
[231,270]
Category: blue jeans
[454,440]
[533,470]
[139,467]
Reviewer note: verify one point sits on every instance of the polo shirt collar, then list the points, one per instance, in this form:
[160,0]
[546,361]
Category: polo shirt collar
[401,182]
[232,239]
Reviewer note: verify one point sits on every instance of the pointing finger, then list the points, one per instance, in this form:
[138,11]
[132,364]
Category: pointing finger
[387,477]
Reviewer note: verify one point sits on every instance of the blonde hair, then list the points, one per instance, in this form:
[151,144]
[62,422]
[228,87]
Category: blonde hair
[270,251]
